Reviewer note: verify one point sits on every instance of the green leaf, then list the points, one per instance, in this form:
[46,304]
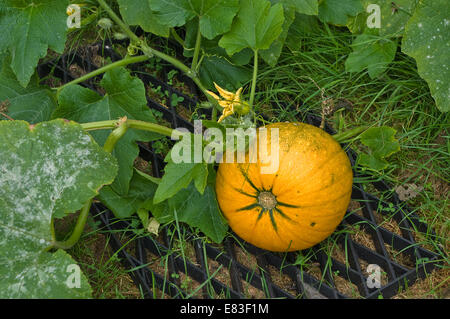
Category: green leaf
[201,177]
[427,40]
[303,25]
[358,23]
[29,29]
[178,176]
[32,104]
[309,7]
[195,209]
[382,143]
[371,52]
[138,12]
[393,17]
[124,206]
[215,16]
[338,11]
[150,178]
[227,75]
[125,96]
[257,26]
[41,275]
[200,210]
[46,171]
[271,55]
[56,161]
[372,162]
[159,211]
[211,47]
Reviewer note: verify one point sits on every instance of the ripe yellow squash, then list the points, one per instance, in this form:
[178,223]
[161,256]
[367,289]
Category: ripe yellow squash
[298,205]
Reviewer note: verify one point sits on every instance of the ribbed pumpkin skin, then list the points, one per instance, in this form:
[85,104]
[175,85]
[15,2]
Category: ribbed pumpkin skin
[312,188]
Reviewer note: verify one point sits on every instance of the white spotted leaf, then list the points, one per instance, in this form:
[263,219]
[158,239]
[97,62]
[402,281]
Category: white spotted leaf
[47,170]
[125,96]
[427,40]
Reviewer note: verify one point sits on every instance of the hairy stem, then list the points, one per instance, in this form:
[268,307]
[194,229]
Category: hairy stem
[176,36]
[198,43]
[77,231]
[134,124]
[255,75]
[116,135]
[106,68]
[345,136]
[214,114]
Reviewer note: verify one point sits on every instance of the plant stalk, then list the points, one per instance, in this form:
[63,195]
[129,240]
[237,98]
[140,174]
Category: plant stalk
[77,231]
[198,43]
[116,135]
[345,136]
[255,75]
[106,68]
[176,36]
[134,124]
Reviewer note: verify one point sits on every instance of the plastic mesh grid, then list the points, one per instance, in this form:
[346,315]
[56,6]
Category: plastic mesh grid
[375,230]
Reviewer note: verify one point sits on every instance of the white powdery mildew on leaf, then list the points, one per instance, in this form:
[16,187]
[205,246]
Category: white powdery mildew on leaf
[47,278]
[427,40]
[50,170]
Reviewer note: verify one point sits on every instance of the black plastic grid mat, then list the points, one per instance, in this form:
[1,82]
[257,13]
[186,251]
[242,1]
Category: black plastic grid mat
[376,230]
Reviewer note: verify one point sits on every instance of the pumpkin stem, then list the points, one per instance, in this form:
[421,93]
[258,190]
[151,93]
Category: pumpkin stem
[267,200]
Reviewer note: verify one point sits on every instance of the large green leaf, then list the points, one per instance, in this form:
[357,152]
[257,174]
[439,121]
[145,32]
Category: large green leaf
[271,55]
[371,52]
[395,15]
[215,16]
[427,40]
[125,96]
[28,29]
[124,206]
[178,176]
[46,171]
[200,210]
[223,72]
[309,7]
[302,26]
[41,275]
[392,16]
[138,12]
[195,209]
[382,143]
[32,104]
[338,11]
[211,47]
[257,26]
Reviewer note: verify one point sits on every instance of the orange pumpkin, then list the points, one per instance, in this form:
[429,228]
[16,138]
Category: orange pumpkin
[298,205]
